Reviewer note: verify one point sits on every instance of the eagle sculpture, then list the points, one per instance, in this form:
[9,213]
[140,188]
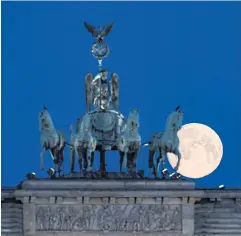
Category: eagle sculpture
[99,33]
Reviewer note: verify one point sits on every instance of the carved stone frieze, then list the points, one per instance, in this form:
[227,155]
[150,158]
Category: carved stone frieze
[118,218]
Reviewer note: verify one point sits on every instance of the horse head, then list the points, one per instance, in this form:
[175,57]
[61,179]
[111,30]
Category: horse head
[134,113]
[45,120]
[133,120]
[132,126]
[179,118]
[174,120]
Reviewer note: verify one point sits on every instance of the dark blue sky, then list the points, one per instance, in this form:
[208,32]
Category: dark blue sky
[165,54]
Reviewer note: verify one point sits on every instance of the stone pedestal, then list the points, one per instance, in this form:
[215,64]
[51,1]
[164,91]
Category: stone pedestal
[107,207]
[119,208]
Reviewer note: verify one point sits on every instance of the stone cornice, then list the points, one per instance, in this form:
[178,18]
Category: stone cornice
[66,184]
[116,188]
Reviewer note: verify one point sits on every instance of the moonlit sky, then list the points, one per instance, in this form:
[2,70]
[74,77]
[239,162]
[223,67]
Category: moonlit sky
[165,53]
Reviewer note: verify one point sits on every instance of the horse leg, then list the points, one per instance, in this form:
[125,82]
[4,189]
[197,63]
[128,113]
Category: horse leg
[72,158]
[55,166]
[151,161]
[83,162]
[42,159]
[122,155]
[162,160]
[92,159]
[84,155]
[90,167]
[176,152]
[59,169]
[80,160]
[58,161]
[72,150]
[157,166]
[61,160]
[53,153]
[163,167]
[129,162]
[135,155]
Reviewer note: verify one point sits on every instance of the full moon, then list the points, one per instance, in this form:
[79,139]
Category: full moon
[201,151]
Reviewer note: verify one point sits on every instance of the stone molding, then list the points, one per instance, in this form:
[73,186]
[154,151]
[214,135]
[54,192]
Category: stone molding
[45,233]
[104,200]
[135,189]
[80,184]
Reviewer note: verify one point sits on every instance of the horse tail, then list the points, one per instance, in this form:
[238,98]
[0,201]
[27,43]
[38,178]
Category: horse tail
[72,149]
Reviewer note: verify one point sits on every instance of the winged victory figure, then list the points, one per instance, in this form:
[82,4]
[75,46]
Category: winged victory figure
[100,92]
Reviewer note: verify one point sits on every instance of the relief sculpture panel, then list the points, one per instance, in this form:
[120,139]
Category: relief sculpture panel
[118,218]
